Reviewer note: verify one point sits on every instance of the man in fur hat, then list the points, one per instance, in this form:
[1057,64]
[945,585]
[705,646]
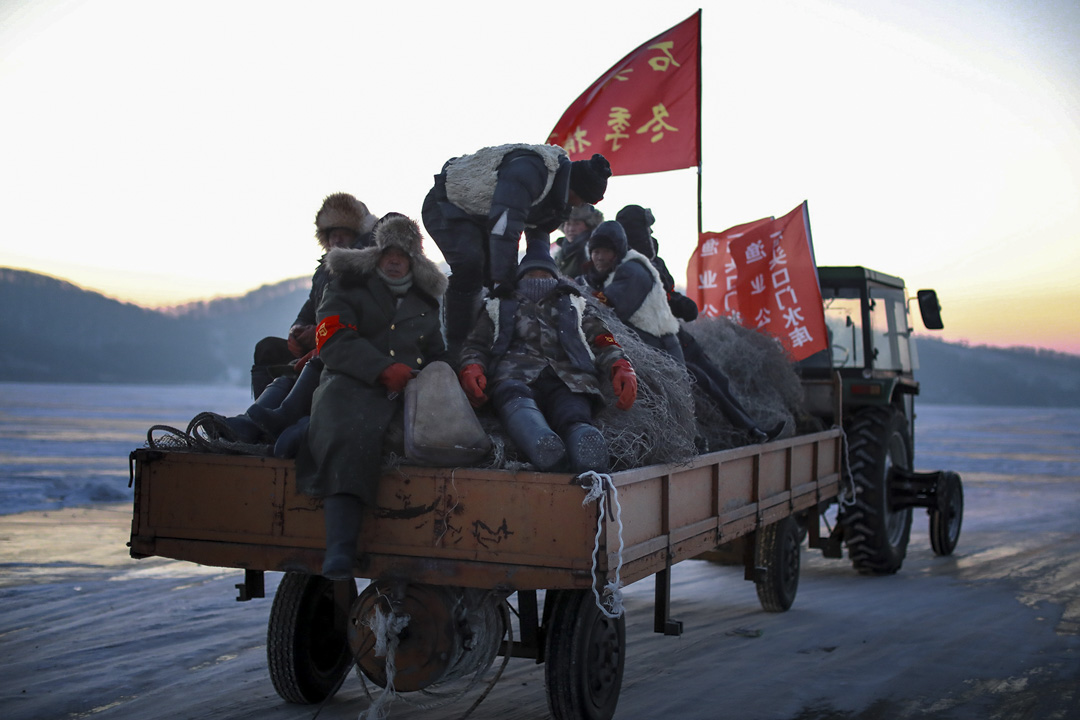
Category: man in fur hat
[546,352]
[628,282]
[342,221]
[570,258]
[378,326]
[482,203]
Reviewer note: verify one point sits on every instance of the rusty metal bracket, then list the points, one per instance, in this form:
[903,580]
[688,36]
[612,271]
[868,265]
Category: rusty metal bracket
[254,586]
[662,622]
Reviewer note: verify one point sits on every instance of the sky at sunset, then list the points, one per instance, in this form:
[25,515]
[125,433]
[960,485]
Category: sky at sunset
[161,152]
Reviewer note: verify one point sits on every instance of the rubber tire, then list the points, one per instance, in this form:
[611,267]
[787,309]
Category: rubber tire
[308,659]
[876,538]
[584,655]
[777,557]
[945,526]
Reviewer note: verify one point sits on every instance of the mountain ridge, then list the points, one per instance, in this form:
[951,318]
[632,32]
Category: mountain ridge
[63,333]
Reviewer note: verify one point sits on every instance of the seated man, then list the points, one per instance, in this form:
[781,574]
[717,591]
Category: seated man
[378,326]
[342,221]
[570,257]
[544,378]
[630,284]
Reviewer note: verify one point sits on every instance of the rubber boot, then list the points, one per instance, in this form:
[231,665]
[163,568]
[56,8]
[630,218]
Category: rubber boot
[344,516]
[245,428]
[526,426]
[297,404]
[288,442]
[459,310]
[587,449]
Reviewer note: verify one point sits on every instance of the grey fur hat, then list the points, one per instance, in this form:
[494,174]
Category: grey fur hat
[342,210]
[397,231]
[587,214]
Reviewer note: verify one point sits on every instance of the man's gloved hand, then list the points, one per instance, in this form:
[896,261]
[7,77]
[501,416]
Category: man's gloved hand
[301,339]
[624,383]
[396,377]
[473,382]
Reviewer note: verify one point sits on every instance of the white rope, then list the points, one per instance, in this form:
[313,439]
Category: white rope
[387,629]
[598,484]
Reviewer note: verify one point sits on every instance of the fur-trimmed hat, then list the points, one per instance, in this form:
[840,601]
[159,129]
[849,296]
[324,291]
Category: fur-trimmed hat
[587,214]
[397,231]
[609,234]
[342,210]
[588,178]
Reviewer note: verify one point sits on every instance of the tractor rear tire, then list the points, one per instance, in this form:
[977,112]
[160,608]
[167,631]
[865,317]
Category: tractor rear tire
[876,536]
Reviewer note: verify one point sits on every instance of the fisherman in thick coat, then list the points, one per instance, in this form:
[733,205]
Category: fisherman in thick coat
[570,257]
[543,352]
[342,221]
[480,205]
[628,282]
[378,326]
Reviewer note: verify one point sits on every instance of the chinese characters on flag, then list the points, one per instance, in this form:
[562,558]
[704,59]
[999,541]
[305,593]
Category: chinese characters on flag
[642,114]
[763,276]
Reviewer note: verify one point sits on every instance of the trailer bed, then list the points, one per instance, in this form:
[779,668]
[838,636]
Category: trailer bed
[478,528]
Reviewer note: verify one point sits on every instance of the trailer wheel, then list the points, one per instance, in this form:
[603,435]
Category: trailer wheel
[946,519]
[777,560]
[307,650]
[584,653]
[876,536]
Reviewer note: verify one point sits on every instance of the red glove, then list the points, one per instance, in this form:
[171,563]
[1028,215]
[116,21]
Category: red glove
[304,361]
[473,383]
[624,383]
[396,377]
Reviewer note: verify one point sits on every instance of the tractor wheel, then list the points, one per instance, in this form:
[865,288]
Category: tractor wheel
[307,648]
[776,557]
[945,520]
[584,653]
[876,536]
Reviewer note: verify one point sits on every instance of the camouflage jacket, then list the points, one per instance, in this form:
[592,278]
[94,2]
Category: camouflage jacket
[516,339]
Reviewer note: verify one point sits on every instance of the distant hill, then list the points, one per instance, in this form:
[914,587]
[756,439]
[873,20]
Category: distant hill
[54,331]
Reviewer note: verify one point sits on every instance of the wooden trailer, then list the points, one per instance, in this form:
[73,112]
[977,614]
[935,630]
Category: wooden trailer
[449,547]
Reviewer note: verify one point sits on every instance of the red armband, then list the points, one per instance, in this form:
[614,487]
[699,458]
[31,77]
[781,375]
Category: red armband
[605,340]
[327,328]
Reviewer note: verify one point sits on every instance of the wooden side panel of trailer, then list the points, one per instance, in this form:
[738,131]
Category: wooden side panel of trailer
[478,528]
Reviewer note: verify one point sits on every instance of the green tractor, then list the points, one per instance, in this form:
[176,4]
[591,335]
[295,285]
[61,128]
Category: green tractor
[865,382]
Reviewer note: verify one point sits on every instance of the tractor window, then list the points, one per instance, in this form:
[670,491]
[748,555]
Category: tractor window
[843,319]
[890,332]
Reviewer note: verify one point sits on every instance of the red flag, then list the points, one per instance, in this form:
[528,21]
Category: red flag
[710,273]
[775,287]
[643,113]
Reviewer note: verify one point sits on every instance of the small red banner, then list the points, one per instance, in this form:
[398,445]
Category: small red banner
[762,275]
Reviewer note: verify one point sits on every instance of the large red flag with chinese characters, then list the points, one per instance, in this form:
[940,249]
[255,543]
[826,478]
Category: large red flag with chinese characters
[643,113]
[775,287]
[710,273]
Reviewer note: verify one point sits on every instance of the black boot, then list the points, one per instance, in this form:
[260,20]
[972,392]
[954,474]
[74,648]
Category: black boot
[297,404]
[526,426]
[459,310]
[288,442]
[243,426]
[344,516]
[716,386]
[587,448]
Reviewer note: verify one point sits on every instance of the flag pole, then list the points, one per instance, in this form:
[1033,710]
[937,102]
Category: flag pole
[700,226]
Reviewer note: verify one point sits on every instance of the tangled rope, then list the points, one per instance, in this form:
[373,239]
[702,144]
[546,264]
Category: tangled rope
[598,484]
[207,432]
[386,627]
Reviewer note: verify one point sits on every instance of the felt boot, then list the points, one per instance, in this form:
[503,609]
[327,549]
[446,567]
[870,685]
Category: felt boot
[587,449]
[526,426]
[297,404]
[344,516]
[459,310]
[288,442]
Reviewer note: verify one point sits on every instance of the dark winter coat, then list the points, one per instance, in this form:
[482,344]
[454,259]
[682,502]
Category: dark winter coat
[516,338]
[319,281]
[363,330]
[571,257]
